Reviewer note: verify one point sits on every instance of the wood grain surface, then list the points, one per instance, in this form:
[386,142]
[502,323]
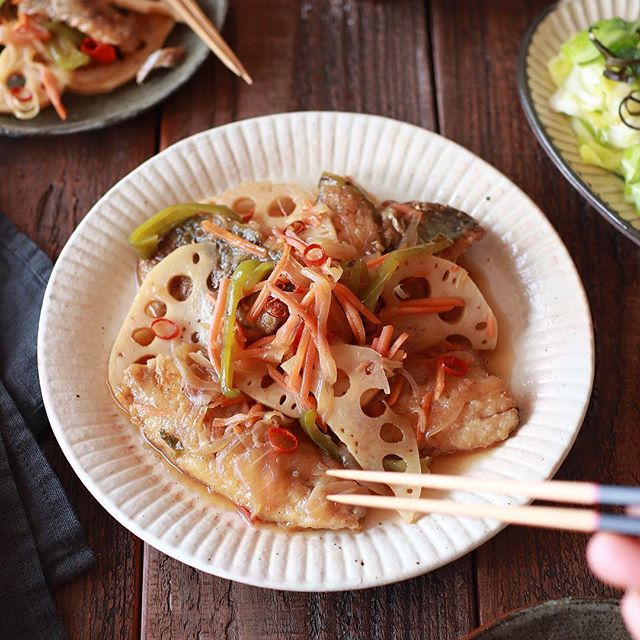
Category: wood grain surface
[449,66]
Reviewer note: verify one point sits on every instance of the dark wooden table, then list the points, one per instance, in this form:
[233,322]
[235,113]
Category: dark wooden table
[449,66]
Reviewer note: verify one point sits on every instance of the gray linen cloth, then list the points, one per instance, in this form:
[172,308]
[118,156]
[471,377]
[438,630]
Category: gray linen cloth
[42,544]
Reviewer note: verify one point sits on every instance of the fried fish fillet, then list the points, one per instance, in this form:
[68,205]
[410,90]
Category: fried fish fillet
[287,488]
[473,411]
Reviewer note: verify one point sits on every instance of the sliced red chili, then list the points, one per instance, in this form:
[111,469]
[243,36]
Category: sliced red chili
[282,440]
[314,255]
[453,366]
[276,308]
[22,95]
[165,329]
[99,51]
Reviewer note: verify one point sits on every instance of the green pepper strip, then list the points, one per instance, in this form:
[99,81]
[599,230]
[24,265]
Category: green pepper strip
[308,423]
[400,466]
[145,238]
[355,276]
[247,274]
[388,268]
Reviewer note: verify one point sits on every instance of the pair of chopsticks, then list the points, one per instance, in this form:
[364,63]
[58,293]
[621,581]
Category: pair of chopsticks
[567,519]
[197,20]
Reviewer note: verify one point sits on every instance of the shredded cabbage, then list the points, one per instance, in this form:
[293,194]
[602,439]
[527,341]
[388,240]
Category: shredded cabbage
[592,101]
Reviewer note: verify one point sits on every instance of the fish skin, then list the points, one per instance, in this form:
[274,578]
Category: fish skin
[355,218]
[438,220]
[95,18]
[287,489]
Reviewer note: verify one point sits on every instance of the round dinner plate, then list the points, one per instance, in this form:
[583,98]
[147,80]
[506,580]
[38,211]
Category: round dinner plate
[521,265]
[602,189]
[129,100]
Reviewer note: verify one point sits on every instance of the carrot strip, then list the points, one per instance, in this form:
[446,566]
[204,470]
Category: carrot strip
[385,340]
[294,307]
[295,378]
[233,239]
[374,344]
[432,302]
[293,241]
[439,388]
[307,374]
[375,262]
[400,340]
[340,290]
[261,300]
[216,322]
[353,318]
[396,390]
[51,87]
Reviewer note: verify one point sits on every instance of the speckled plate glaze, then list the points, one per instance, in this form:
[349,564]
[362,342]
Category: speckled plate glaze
[602,189]
[96,112]
[527,274]
[566,619]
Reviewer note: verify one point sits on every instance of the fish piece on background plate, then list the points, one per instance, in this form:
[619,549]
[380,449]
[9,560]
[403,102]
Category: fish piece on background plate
[270,340]
[49,47]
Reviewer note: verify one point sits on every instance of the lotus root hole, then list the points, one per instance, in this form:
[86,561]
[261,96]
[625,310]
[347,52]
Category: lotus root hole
[281,207]
[392,462]
[266,381]
[413,288]
[342,384]
[460,341]
[194,337]
[180,287]
[373,408]
[144,359]
[391,433]
[195,258]
[156,309]
[481,326]
[282,400]
[244,206]
[445,276]
[144,336]
[453,316]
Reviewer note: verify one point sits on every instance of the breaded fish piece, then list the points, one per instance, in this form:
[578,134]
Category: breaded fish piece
[96,18]
[474,411]
[286,488]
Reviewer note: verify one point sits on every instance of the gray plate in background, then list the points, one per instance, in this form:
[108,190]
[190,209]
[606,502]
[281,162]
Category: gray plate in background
[566,619]
[95,112]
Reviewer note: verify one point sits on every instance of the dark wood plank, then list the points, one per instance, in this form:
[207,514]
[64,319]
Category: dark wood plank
[478,106]
[47,186]
[359,56]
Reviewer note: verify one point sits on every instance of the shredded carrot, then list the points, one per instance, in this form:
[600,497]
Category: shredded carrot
[341,291]
[426,403]
[277,377]
[295,378]
[375,262]
[396,390]
[231,402]
[260,301]
[53,91]
[216,323]
[353,318]
[291,240]
[307,374]
[400,340]
[294,307]
[440,379]
[233,239]
[374,344]
[433,302]
[384,340]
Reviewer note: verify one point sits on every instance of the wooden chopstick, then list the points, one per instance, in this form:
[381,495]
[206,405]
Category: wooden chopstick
[557,490]
[585,520]
[197,20]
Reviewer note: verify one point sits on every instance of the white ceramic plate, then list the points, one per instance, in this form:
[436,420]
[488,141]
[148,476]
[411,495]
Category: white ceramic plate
[601,188]
[528,276]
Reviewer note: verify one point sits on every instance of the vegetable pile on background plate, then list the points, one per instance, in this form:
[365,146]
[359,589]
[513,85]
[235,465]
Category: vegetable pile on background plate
[597,73]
